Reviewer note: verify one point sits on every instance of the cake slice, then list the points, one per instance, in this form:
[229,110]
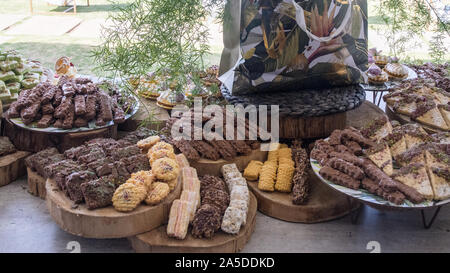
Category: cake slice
[442,96]
[377,129]
[428,113]
[410,156]
[415,135]
[442,137]
[437,154]
[415,176]
[396,142]
[406,106]
[381,156]
[440,181]
[445,112]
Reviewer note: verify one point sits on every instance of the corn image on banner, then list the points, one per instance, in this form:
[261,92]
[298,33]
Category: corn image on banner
[285,45]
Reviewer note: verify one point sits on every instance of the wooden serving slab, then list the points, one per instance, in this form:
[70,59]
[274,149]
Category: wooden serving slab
[12,166]
[364,114]
[403,119]
[105,222]
[324,204]
[33,141]
[158,241]
[148,110]
[206,166]
[36,184]
[292,127]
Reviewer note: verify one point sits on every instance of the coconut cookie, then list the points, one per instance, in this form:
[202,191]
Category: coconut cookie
[165,169]
[127,197]
[157,194]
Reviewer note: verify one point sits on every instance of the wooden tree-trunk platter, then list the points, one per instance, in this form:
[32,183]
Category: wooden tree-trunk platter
[362,115]
[323,204]
[157,241]
[311,127]
[313,113]
[403,119]
[148,111]
[36,184]
[33,141]
[210,167]
[12,166]
[105,223]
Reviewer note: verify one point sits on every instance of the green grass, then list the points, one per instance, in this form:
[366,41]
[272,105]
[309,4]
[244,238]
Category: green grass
[97,9]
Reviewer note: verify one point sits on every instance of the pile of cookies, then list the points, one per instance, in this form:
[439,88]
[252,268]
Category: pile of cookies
[369,159]
[422,101]
[284,171]
[151,186]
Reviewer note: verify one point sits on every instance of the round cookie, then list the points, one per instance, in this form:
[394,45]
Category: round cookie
[157,194]
[165,169]
[144,177]
[160,146]
[146,144]
[161,154]
[127,197]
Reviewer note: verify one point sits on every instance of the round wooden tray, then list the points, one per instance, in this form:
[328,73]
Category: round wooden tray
[206,166]
[324,204]
[36,184]
[158,241]
[362,115]
[12,166]
[403,119]
[34,142]
[307,113]
[105,222]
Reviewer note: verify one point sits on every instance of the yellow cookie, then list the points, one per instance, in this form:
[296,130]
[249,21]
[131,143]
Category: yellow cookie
[146,144]
[145,177]
[127,197]
[252,171]
[161,146]
[165,169]
[160,154]
[172,184]
[157,194]
[285,153]
[267,176]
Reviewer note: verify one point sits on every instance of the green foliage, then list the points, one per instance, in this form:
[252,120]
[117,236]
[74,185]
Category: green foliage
[406,20]
[437,48]
[148,35]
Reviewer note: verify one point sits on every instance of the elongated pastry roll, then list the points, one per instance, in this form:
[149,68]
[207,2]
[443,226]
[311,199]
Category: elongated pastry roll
[179,219]
[240,193]
[232,220]
[182,161]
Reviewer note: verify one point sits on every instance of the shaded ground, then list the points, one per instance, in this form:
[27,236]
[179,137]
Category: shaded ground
[26,226]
